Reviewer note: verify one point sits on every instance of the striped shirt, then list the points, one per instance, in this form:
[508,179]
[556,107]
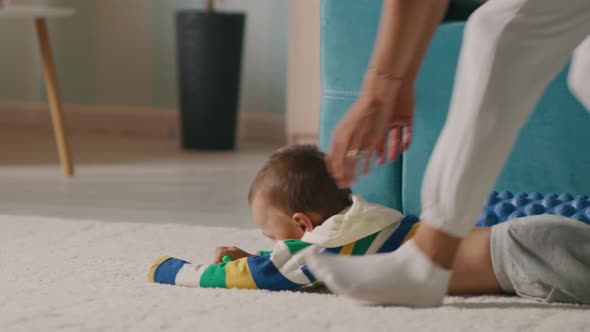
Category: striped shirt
[283,268]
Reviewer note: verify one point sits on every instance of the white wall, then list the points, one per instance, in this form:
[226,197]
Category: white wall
[124,59]
[265,53]
[304,85]
[122,52]
[19,64]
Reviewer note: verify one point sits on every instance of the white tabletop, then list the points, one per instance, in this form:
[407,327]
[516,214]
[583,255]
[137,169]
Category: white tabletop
[21,11]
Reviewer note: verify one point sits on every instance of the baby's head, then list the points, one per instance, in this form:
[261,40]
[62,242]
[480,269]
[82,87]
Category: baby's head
[293,193]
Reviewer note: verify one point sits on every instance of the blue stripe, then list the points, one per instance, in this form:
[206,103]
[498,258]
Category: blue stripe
[333,250]
[267,276]
[307,273]
[166,272]
[395,240]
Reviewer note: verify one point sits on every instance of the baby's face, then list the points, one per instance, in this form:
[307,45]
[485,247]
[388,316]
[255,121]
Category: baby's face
[275,224]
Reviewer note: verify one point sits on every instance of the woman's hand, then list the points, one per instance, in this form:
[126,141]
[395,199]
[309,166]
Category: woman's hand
[400,126]
[233,252]
[380,118]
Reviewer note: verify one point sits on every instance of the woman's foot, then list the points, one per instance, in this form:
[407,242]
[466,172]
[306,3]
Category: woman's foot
[405,277]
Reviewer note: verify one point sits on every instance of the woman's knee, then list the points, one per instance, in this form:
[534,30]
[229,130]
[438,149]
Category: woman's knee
[578,78]
[576,82]
[490,20]
[481,26]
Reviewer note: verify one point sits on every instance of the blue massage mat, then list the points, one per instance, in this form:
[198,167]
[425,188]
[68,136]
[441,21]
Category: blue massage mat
[505,205]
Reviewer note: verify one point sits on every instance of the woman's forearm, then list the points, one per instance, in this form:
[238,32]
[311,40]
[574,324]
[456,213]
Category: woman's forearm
[405,31]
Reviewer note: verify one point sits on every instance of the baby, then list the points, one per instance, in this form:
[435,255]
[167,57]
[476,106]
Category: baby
[296,204]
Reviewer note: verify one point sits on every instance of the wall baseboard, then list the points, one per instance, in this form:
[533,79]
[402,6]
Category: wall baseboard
[132,121]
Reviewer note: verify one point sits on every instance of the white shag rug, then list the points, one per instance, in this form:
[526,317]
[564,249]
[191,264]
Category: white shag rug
[58,275]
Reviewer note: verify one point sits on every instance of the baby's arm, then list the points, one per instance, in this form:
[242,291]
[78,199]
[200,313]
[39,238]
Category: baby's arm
[282,269]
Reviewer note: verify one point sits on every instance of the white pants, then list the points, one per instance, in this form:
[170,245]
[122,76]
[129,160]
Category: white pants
[511,50]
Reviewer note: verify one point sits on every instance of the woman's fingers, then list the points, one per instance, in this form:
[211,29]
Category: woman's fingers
[346,145]
[365,159]
[359,134]
[351,163]
[377,143]
[407,139]
[395,137]
[348,157]
[342,161]
[380,149]
[337,155]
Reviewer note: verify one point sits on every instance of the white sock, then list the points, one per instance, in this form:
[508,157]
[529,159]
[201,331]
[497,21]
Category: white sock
[405,277]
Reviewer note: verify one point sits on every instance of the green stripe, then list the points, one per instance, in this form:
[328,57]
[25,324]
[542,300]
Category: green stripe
[296,245]
[264,252]
[214,276]
[361,246]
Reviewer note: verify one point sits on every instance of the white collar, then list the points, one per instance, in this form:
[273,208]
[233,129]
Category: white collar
[359,220]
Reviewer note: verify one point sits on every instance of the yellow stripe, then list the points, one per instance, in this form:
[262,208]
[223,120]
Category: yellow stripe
[237,275]
[411,232]
[347,249]
[155,266]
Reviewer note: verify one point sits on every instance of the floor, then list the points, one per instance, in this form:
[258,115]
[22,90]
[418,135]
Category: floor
[84,275]
[127,179]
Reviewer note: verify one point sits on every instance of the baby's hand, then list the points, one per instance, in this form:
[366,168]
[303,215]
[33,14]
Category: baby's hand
[233,252]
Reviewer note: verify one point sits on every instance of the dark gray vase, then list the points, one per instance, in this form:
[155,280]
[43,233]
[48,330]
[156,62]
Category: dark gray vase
[209,67]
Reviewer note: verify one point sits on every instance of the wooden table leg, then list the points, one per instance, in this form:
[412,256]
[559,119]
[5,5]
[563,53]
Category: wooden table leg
[55,105]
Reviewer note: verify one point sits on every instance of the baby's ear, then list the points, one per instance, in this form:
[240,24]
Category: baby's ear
[303,221]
